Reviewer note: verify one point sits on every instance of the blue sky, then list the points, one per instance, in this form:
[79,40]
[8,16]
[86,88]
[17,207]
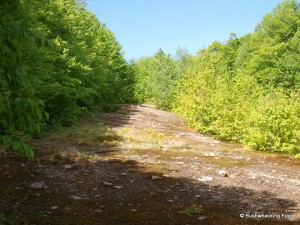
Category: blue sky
[144,26]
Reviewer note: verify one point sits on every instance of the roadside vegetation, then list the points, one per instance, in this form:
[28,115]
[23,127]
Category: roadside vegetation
[246,89]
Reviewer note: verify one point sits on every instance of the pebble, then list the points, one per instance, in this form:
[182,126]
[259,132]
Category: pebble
[107,183]
[202,218]
[205,178]
[118,187]
[156,178]
[223,173]
[66,167]
[38,185]
[76,197]
[98,211]
[54,207]
[210,154]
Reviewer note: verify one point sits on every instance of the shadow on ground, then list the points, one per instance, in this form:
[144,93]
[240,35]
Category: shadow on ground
[114,192]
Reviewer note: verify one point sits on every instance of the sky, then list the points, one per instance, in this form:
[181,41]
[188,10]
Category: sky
[144,26]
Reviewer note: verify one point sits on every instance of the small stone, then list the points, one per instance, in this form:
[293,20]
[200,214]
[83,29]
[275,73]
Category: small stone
[107,183]
[210,154]
[54,207]
[76,197]
[202,218]
[133,210]
[170,200]
[95,189]
[98,211]
[205,178]
[66,167]
[180,135]
[197,196]
[118,187]
[156,178]
[223,173]
[38,185]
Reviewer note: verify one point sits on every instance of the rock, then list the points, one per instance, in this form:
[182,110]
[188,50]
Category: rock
[202,218]
[170,200]
[107,183]
[98,211]
[54,207]
[76,197]
[210,154]
[156,178]
[66,167]
[180,135]
[118,187]
[205,178]
[223,173]
[38,185]
[133,210]
[197,196]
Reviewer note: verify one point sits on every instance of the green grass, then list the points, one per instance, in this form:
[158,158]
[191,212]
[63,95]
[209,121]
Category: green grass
[192,210]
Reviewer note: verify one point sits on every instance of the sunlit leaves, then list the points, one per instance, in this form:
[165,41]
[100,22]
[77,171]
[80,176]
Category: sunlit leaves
[57,57]
[248,88]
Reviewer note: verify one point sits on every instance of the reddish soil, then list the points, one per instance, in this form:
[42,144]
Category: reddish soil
[147,168]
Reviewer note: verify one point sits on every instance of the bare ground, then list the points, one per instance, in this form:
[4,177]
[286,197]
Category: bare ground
[147,168]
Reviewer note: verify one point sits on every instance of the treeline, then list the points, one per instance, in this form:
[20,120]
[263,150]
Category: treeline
[156,77]
[246,89]
[56,61]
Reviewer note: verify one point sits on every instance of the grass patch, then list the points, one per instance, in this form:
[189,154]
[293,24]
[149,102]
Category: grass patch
[69,155]
[153,136]
[192,210]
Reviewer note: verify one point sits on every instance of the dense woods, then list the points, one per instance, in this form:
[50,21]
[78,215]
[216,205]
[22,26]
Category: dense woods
[58,60]
[246,89]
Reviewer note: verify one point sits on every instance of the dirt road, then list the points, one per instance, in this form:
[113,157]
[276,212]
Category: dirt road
[147,168]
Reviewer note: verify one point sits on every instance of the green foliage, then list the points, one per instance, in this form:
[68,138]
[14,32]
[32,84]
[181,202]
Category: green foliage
[57,60]
[248,88]
[192,210]
[156,77]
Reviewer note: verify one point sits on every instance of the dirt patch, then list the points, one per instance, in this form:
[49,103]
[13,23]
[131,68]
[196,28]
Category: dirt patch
[146,167]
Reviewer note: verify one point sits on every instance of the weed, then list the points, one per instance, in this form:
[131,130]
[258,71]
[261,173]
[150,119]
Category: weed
[69,155]
[192,210]
[154,135]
